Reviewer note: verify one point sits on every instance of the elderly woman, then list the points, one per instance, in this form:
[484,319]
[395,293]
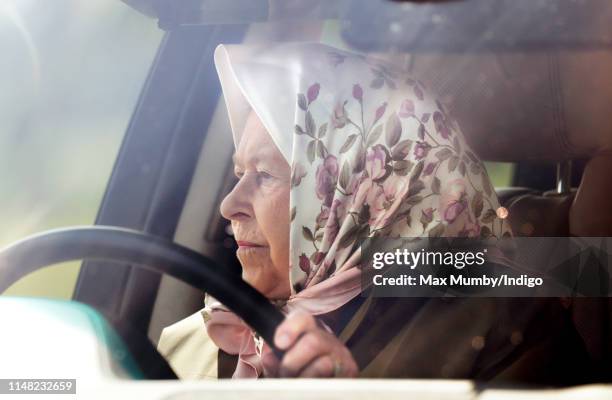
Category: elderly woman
[332,147]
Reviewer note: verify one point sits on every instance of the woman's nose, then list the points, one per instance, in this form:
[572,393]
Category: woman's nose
[236,205]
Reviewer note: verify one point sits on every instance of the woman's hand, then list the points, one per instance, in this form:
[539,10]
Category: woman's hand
[310,351]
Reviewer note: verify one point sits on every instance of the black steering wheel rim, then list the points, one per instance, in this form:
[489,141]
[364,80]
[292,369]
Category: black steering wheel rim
[140,249]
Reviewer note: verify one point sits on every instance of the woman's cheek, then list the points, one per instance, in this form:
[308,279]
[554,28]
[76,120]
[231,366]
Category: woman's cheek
[275,225]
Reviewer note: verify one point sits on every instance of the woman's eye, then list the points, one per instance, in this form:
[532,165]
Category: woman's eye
[260,176]
[263,177]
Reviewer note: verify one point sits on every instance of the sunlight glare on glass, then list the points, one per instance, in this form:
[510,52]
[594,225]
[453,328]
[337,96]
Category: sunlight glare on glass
[11,15]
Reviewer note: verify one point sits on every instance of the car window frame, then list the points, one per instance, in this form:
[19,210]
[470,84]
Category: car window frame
[155,164]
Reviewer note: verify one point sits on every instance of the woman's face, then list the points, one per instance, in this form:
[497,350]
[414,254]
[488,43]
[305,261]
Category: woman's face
[258,208]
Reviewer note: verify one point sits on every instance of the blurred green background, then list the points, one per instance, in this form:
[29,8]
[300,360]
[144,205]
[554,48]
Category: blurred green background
[70,75]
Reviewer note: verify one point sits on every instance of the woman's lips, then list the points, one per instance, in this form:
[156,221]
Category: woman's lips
[245,244]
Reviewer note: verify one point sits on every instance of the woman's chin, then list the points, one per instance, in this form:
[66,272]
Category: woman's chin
[253,258]
[252,250]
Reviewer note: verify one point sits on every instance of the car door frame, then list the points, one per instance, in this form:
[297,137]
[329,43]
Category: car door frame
[155,164]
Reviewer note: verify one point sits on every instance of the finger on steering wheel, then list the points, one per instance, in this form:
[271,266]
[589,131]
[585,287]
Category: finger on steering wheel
[296,323]
[311,345]
[321,367]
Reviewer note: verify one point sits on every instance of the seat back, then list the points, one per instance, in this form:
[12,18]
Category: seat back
[586,211]
[535,213]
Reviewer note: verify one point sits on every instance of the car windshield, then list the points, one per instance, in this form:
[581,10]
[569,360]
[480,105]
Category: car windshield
[306,148]
[64,109]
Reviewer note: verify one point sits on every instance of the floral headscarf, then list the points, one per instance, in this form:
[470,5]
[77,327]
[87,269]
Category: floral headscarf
[372,153]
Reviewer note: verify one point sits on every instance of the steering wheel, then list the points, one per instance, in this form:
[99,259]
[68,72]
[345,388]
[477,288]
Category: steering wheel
[150,252]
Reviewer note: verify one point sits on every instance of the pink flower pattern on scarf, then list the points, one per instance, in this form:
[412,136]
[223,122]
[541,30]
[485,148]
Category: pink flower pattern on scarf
[372,153]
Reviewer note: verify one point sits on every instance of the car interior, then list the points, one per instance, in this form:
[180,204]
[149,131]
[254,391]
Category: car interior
[559,143]
[172,174]
[528,81]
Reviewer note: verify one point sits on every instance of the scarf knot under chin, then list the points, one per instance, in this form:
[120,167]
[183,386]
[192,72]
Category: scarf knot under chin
[234,337]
